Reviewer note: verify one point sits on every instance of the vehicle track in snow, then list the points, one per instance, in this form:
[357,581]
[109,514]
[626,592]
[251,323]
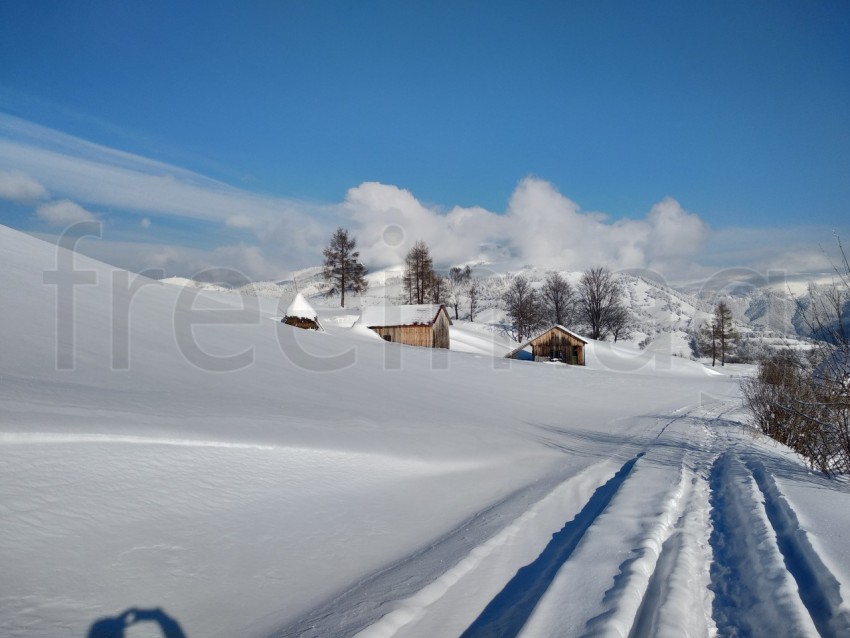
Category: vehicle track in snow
[508,612]
[651,523]
[694,521]
[643,548]
[767,578]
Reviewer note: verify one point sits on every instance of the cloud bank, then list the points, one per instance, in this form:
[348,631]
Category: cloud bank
[63,213]
[540,226]
[266,237]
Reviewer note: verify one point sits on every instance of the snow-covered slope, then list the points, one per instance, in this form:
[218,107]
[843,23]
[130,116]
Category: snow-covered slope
[170,448]
[663,319]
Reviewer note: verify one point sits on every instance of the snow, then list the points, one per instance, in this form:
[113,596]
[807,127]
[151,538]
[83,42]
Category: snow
[301,308]
[179,450]
[191,283]
[408,315]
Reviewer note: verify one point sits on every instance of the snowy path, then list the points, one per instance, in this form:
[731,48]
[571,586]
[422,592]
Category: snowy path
[689,537]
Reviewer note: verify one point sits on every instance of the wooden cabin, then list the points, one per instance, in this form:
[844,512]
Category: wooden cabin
[301,314]
[556,344]
[425,325]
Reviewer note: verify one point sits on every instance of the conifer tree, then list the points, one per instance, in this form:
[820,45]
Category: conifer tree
[724,330]
[419,276]
[342,268]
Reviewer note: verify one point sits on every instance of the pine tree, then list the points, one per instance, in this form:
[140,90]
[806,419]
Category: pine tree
[342,269]
[724,330]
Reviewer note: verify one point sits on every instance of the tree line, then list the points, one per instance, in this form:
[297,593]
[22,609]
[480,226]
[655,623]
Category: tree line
[596,305]
[421,283]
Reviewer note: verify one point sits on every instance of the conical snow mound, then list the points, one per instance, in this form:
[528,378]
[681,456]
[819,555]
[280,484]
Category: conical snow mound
[300,308]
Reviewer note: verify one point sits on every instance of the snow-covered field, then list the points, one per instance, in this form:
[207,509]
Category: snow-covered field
[179,451]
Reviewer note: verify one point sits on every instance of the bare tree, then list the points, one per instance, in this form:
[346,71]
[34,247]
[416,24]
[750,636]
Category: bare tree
[707,340]
[458,281]
[523,307]
[439,289]
[557,297]
[473,293]
[804,400]
[419,273]
[342,269]
[600,300]
[620,323]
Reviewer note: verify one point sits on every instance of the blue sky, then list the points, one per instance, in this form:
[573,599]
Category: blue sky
[738,111]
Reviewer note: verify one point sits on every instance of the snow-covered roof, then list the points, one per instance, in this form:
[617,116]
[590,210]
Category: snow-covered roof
[537,336]
[301,308]
[413,315]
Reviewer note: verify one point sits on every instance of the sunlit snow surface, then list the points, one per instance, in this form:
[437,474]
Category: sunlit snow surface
[181,450]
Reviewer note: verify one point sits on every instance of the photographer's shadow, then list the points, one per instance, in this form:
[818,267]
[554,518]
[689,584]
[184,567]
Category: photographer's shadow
[115,626]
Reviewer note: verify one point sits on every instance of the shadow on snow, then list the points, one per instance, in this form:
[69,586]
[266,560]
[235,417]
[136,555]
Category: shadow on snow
[506,614]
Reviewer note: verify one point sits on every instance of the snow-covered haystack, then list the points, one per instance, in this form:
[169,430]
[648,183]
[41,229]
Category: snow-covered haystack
[301,314]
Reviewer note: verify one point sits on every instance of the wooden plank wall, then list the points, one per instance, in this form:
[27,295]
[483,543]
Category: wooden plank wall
[435,336]
[544,345]
[410,335]
[441,331]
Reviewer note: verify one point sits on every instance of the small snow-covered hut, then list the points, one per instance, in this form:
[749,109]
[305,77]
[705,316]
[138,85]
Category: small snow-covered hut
[424,325]
[301,314]
[556,344]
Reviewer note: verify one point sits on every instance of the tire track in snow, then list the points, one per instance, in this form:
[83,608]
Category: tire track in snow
[678,581]
[754,593]
[506,614]
[420,582]
[818,588]
[622,601]
[673,585]
[641,516]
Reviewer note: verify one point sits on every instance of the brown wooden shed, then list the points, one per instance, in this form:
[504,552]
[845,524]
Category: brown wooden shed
[425,325]
[556,344]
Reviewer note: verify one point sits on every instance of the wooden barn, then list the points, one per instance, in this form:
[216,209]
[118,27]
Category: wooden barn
[556,344]
[425,325]
[301,314]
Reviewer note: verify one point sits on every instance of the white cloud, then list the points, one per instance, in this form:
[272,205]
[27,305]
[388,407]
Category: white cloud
[240,221]
[103,177]
[20,187]
[541,227]
[63,213]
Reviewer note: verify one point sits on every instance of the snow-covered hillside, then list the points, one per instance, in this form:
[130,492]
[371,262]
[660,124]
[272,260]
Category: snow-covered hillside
[663,319]
[179,449]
